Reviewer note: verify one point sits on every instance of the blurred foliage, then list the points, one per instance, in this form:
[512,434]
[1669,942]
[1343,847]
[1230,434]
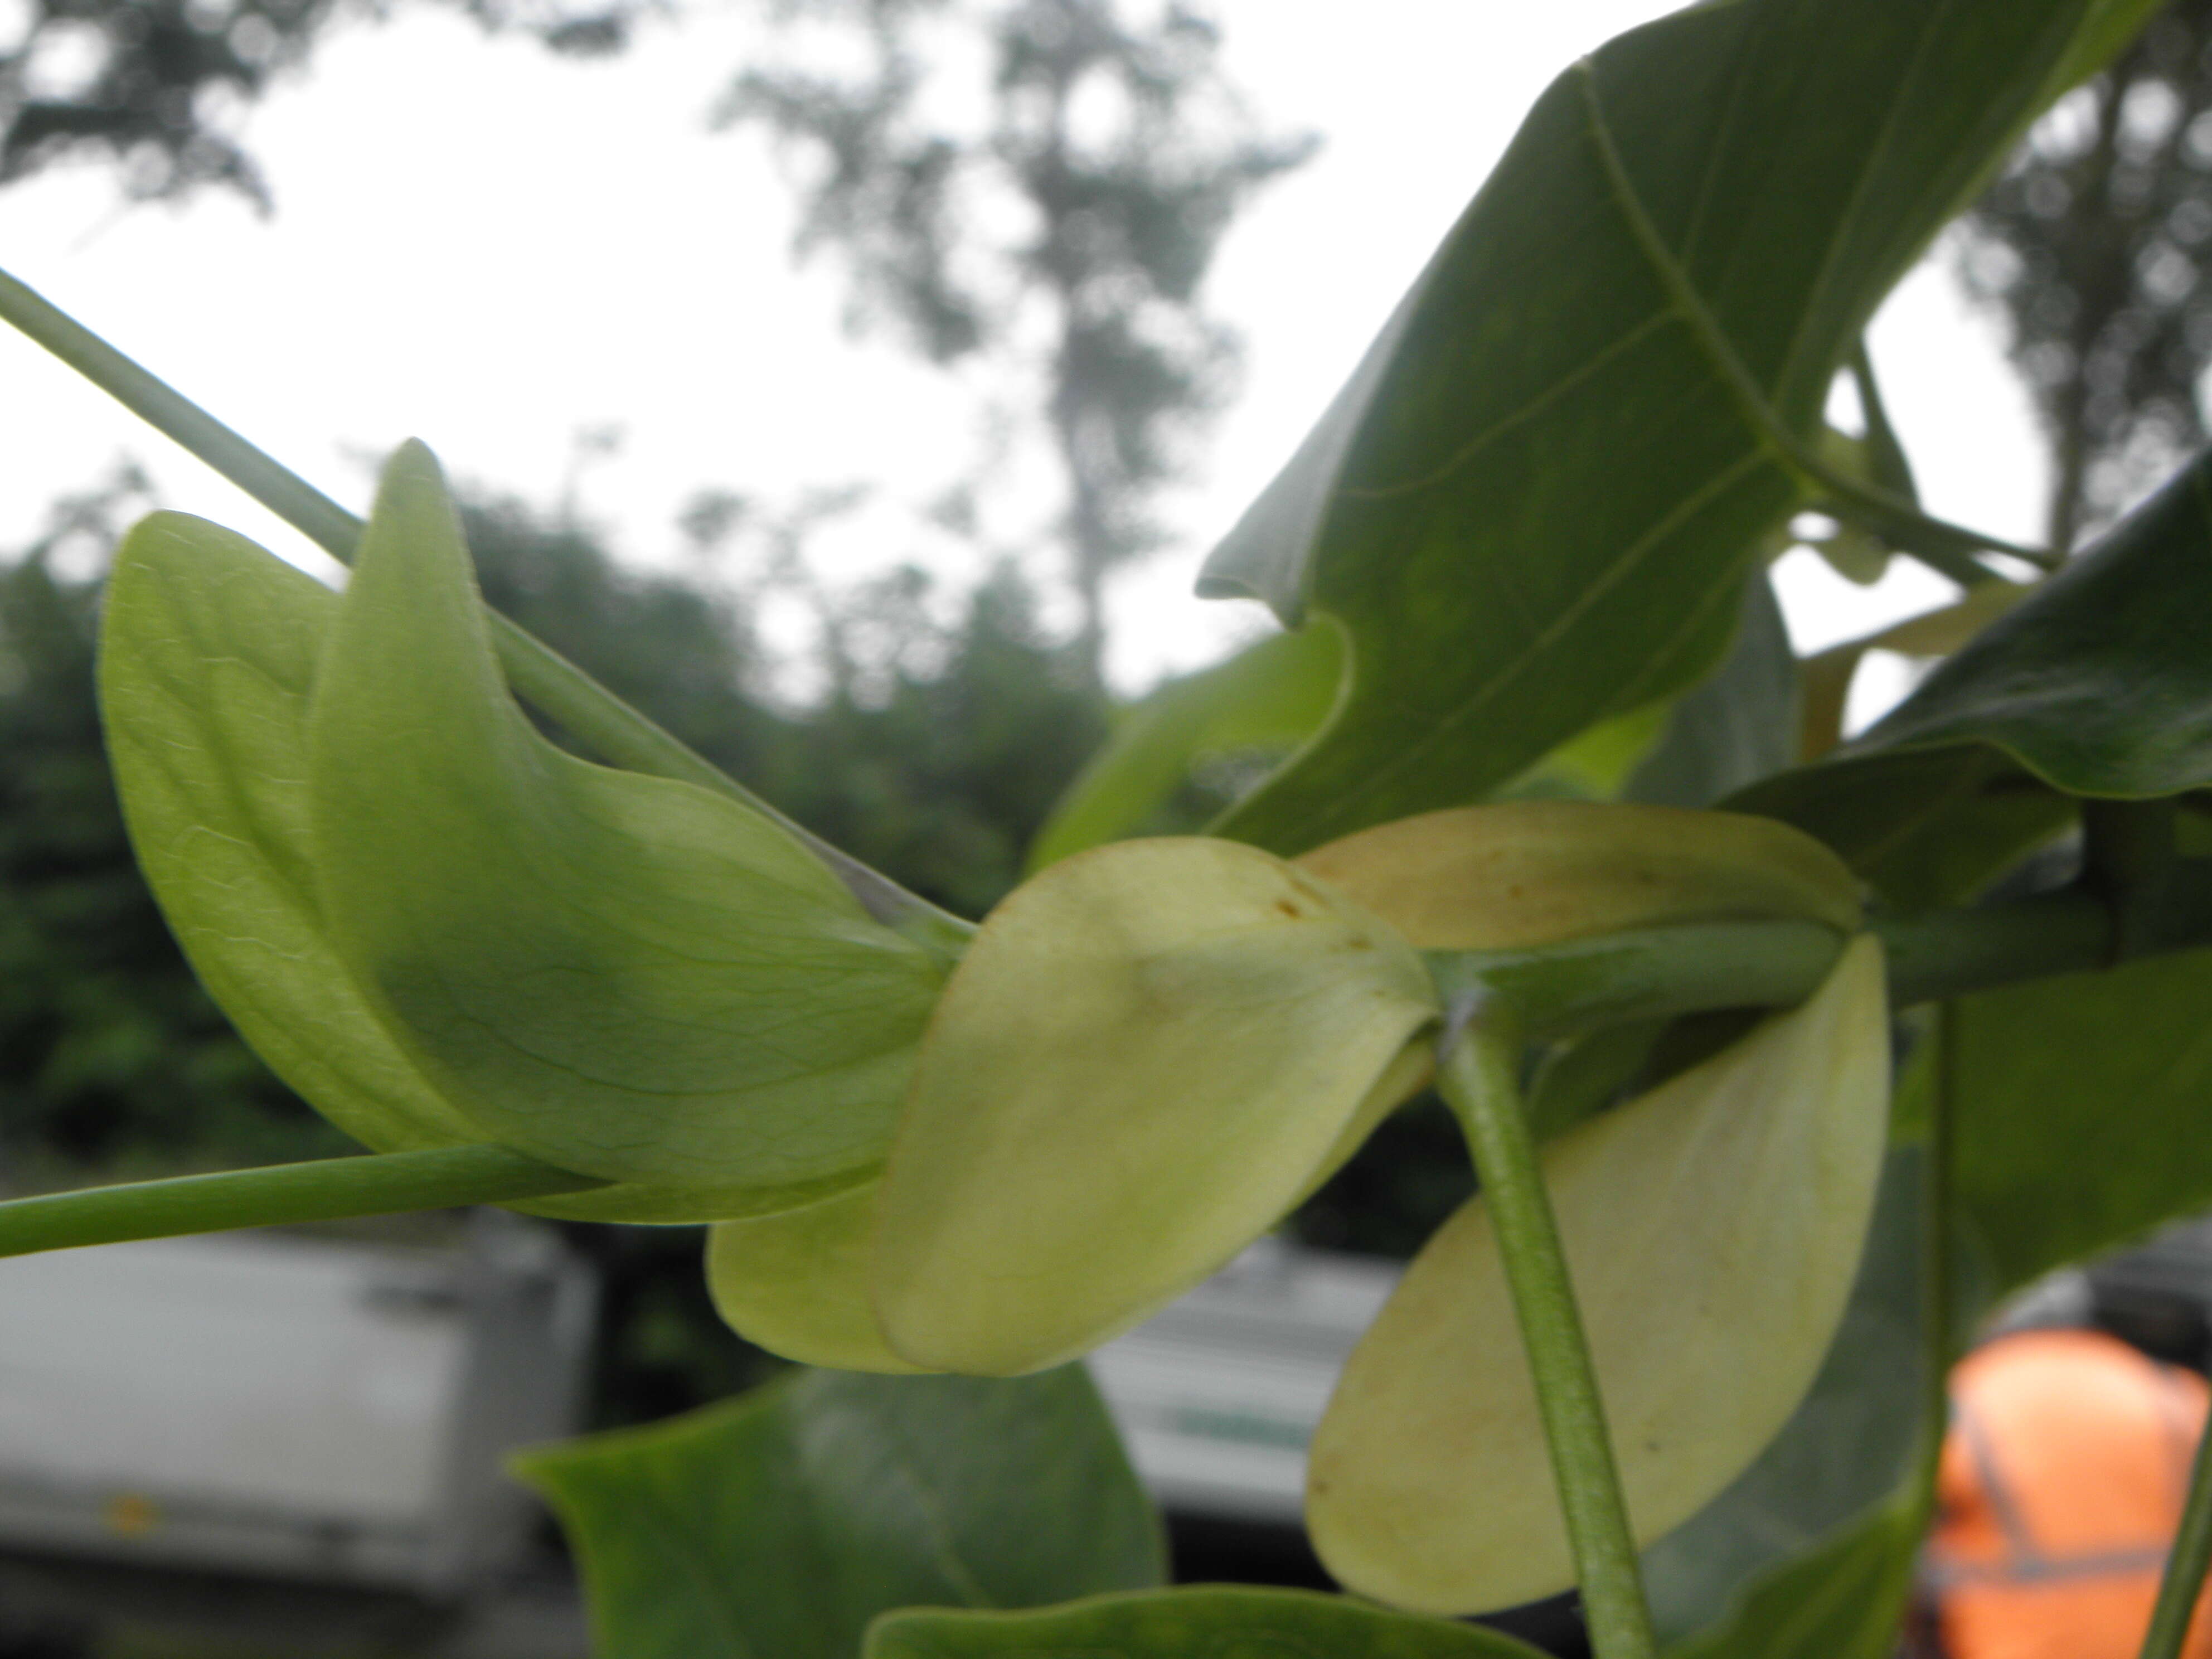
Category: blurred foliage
[153,87]
[2096,243]
[1085,212]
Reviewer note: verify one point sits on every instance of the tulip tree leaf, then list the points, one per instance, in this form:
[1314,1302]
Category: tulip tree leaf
[2097,682]
[208,652]
[1738,726]
[1533,503]
[622,974]
[776,1526]
[2081,1110]
[1843,1600]
[1712,1228]
[1149,1053]
[1274,695]
[1927,827]
[1203,1622]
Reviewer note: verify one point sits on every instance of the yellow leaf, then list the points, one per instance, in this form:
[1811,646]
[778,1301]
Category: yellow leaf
[1524,873]
[1712,1228]
[1143,1060]
[796,1283]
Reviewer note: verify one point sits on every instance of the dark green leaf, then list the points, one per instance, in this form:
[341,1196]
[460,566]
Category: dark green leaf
[1534,502]
[622,975]
[1271,695]
[1738,726]
[1927,827]
[1208,1622]
[777,1525]
[2082,1110]
[1843,1600]
[2097,683]
[2100,683]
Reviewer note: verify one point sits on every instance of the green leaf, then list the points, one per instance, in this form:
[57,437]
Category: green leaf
[1274,695]
[207,653]
[1738,726]
[2095,683]
[1208,1622]
[1534,502]
[1843,1600]
[2082,1111]
[1926,827]
[622,975]
[2099,682]
[777,1525]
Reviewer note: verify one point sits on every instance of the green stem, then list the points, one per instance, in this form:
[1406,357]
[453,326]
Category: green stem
[1884,448]
[281,1194]
[595,716]
[1661,972]
[1937,1314]
[1477,1074]
[2185,1567]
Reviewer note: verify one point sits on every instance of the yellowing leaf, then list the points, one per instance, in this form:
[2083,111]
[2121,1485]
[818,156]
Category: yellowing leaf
[1145,1055]
[625,975]
[796,1283]
[1712,1228]
[1524,873]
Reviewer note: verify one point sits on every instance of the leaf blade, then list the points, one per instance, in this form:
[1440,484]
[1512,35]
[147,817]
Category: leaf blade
[1562,455]
[777,1525]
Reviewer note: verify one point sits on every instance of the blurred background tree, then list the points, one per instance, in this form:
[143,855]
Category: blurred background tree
[2096,246]
[1124,153]
[149,88]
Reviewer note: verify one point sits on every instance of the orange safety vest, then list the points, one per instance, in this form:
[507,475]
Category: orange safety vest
[2062,1480]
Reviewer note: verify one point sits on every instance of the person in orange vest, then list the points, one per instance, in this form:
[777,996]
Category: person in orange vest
[2062,1482]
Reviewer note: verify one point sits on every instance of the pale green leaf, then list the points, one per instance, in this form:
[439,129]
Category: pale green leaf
[622,974]
[1271,696]
[208,651]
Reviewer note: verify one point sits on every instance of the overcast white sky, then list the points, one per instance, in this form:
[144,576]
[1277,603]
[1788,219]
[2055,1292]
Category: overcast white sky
[493,249]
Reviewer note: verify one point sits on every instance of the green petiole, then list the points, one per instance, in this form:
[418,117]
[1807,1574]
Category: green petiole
[1661,972]
[1478,1074]
[2186,1566]
[595,716]
[281,1194]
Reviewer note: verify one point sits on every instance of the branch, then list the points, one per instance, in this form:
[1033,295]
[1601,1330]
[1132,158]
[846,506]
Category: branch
[1659,973]
[281,1194]
[595,716]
